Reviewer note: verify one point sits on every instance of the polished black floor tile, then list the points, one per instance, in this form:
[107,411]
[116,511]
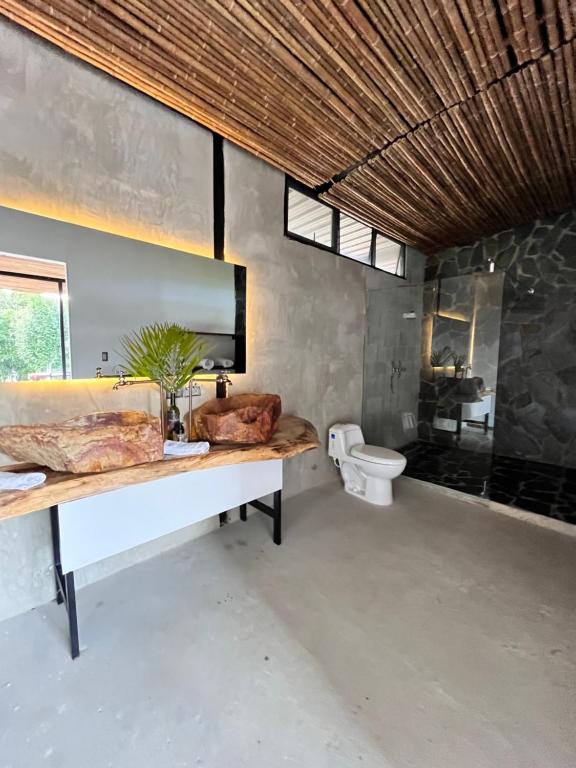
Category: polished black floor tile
[541,488]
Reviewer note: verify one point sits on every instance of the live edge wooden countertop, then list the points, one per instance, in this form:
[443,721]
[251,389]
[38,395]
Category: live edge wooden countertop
[293,436]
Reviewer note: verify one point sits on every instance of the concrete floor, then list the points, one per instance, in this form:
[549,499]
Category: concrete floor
[432,634]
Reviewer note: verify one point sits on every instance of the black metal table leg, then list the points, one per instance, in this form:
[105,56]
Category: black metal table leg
[243,513]
[65,589]
[274,512]
[59,595]
[277,534]
[55,528]
[72,615]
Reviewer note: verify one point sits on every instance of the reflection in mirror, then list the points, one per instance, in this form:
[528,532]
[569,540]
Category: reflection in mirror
[461,339]
[34,341]
[451,335]
[65,305]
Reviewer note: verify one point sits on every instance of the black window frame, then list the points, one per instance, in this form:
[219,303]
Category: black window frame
[334,248]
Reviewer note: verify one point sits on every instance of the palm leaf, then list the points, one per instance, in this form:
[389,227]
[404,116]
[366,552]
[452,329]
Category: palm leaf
[164,352]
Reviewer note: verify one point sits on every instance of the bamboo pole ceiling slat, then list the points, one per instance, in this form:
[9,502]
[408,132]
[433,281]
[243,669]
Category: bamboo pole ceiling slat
[436,121]
[494,161]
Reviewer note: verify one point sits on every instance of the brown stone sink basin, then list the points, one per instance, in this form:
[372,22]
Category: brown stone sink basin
[241,419]
[93,443]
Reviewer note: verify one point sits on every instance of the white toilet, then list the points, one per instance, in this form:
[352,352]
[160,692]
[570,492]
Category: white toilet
[367,470]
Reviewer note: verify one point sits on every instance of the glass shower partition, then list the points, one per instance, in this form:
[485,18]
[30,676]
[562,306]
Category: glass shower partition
[460,346]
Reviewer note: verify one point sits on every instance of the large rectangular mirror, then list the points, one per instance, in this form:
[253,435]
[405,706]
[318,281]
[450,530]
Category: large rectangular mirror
[461,340]
[69,293]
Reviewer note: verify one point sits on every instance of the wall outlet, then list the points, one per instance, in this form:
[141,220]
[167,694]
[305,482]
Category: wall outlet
[104,357]
[196,391]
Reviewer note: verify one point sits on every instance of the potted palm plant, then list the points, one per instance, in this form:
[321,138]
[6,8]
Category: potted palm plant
[167,353]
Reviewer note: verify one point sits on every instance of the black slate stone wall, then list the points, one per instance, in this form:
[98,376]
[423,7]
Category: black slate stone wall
[536,386]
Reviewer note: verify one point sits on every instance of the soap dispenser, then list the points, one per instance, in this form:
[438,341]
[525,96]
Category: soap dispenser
[222,384]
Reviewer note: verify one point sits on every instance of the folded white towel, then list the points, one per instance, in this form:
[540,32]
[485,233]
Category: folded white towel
[207,364]
[223,362]
[20,481]
[174,448]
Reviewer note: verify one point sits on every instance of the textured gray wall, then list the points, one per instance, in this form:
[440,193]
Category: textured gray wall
[390,337]
[77,144]
[305,314]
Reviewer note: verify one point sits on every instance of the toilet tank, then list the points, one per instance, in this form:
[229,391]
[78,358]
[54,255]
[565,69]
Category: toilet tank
[341,438]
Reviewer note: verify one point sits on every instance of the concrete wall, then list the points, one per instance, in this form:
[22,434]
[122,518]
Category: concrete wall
[77,145]
[305,315]
[391,338]
[80,146]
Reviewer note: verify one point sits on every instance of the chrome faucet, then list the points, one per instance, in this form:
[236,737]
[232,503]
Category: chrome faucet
[122,380]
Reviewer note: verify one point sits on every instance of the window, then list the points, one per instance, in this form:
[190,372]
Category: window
[355,239]
[309,220]
[390,256]
[33,319]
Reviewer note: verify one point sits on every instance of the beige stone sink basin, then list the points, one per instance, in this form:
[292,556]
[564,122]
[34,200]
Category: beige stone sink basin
[241,419]
[93,443]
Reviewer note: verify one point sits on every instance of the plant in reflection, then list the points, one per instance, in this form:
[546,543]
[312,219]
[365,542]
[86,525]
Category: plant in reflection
[439,357]
[459,362]
[164,352]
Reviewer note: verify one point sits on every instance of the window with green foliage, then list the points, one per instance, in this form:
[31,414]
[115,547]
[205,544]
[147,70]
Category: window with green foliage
[33,320]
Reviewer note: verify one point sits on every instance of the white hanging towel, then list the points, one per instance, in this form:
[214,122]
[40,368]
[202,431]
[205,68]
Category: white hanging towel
[174,448]
[20,481]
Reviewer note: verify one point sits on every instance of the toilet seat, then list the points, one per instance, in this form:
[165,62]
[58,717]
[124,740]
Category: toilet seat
[376,454]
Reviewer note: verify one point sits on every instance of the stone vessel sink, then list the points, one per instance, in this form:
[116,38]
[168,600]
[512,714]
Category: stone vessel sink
[241,419]
[94,443]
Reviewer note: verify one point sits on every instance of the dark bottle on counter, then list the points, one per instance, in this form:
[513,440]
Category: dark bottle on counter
[172,417]
[179,432]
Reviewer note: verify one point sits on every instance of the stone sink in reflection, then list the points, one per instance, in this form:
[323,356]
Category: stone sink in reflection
[94,443]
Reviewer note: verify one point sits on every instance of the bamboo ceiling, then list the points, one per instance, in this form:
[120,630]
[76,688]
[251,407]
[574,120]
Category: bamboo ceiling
[436,121]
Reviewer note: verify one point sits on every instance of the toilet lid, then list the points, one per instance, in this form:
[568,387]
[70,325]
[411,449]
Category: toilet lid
[377,455]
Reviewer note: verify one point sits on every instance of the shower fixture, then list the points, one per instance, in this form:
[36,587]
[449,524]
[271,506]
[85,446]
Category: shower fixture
[397,371]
